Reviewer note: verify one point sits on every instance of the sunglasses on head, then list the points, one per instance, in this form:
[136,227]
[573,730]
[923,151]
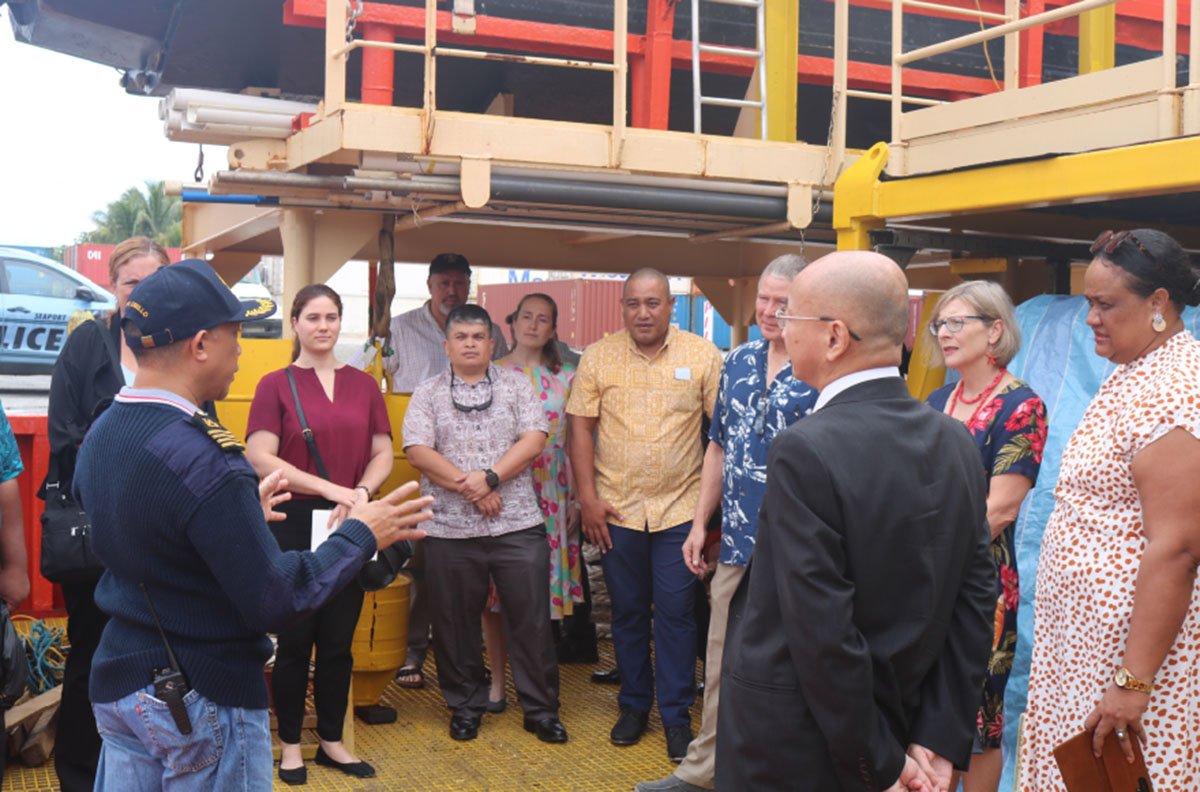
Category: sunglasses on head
[1108,242]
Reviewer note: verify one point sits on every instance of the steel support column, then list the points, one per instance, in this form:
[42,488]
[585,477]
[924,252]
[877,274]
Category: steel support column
[854,212]
[378,65]
[651,83]
[783,45]
[1033,44]
[1097,39]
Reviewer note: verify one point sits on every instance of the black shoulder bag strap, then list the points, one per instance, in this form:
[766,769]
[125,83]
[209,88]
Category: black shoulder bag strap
[308,434]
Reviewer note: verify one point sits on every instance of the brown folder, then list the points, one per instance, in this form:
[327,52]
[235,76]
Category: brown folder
[1083,772]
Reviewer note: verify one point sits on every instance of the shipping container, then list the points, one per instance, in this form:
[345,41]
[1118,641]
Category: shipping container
[696,314]
[588,309]
[91,260]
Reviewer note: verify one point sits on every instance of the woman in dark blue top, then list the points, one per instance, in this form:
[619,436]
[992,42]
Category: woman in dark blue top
[977,335]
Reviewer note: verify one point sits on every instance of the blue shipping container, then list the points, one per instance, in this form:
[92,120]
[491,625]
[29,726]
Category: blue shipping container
[689,314]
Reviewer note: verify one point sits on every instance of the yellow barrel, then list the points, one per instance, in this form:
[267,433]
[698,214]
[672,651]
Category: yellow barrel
[380,640]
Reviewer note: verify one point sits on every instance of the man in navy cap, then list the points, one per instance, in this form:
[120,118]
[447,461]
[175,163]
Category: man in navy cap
[194,579]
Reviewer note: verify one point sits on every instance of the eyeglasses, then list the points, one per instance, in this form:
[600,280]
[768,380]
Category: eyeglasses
[784,318]
[1109,241]
[470,408]
[954,323]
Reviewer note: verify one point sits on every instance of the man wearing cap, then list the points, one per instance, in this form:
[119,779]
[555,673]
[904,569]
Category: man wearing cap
[194,580]
[414,352]
[416,348]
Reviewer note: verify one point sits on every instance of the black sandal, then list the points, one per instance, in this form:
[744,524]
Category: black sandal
[416,677]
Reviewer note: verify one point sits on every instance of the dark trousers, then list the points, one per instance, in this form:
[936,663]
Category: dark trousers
[459,570]
[646,575]
[418,608]
[330,629]
[77,743]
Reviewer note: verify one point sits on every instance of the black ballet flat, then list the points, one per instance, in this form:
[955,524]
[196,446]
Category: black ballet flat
[355,769]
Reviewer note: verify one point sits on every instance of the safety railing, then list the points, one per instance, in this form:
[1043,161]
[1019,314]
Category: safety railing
[1011,25]
[339,43]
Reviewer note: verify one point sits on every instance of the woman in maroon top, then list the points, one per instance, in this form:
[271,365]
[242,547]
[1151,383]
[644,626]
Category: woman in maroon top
[344,409]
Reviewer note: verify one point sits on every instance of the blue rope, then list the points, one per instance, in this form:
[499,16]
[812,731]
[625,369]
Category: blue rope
[44,672]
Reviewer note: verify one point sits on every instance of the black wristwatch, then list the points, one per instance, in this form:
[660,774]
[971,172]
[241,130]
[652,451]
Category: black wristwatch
[491,477]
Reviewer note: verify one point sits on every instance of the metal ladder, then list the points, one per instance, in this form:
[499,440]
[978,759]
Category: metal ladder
[758,55]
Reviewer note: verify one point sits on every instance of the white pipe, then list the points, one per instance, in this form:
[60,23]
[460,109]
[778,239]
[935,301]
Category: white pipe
[1000,30]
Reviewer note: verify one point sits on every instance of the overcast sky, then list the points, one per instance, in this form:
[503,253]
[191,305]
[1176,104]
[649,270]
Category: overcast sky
[71,140]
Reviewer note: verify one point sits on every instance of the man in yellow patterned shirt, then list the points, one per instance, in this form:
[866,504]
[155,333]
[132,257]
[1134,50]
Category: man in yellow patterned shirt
[634,415]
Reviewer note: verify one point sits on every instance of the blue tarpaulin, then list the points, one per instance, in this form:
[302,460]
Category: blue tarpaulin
[1058,361]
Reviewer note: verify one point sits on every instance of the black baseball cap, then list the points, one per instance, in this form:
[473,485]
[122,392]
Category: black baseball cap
[449,262]
[180,300]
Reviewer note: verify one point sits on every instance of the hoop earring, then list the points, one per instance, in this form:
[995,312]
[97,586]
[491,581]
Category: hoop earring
[1158,323]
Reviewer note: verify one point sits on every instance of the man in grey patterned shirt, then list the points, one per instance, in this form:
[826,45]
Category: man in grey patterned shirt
[473,431]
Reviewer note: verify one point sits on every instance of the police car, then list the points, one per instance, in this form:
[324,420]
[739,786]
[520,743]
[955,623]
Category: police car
[37,298]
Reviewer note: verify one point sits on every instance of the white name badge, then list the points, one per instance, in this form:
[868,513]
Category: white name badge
[683,373]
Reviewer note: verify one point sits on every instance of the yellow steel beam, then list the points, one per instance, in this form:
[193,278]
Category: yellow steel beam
[783,44]
[854,197]
[1126,172]
[1097,39]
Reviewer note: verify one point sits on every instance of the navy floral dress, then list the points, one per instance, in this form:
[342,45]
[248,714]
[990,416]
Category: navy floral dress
[1010,432]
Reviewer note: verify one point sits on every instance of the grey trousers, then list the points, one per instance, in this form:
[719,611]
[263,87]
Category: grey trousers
[457,572]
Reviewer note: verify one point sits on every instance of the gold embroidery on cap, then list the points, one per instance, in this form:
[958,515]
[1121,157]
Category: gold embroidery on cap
[265,306]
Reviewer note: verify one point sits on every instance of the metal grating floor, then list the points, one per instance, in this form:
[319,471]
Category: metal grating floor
[416,753]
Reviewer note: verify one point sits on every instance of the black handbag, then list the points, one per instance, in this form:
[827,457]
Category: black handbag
[14,668]
[67,555]
[379,572]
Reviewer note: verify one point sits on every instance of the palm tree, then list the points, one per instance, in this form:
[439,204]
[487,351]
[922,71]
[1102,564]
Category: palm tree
[153,214]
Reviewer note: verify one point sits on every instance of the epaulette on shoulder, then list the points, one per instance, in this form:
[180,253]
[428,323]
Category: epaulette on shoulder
[224,438]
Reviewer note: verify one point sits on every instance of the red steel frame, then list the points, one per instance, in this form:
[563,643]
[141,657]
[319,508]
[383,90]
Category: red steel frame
[652,56]
[34,445]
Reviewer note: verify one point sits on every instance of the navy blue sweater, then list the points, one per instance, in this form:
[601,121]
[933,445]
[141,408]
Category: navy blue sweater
[170,509]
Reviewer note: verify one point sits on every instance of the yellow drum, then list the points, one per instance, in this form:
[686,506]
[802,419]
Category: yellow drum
[380,640]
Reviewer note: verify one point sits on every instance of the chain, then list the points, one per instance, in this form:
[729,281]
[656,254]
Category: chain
[198,174]
[354,9]
[820,187]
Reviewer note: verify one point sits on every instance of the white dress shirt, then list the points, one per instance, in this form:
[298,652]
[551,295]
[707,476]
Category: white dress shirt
[850,380]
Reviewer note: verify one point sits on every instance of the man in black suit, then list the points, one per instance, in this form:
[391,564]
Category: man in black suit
[863,623]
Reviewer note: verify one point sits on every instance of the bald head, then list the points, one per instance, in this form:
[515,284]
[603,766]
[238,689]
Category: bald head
[650,275]
[865,290]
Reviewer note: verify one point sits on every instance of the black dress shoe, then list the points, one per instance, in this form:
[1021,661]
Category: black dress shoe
[356,769]
[548,730]
[629,727]
[464,727]
[678,739]
[612,677]
[294,776]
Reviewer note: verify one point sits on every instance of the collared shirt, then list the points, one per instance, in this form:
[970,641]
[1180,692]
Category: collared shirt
[10,456]
[850,380]
[418,345]
[648,435]
[132,395]
[475,440]
[749,414]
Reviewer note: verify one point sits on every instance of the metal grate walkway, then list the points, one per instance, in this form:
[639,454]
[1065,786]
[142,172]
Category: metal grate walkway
[417,754]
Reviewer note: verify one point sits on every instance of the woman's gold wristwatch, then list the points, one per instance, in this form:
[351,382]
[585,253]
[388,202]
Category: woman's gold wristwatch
[1125,679]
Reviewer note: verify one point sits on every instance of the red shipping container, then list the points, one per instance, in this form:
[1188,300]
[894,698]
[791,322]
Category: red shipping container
[90,260]
[588,309]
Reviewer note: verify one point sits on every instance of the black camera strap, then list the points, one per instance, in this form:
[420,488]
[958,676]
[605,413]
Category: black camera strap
[170,685]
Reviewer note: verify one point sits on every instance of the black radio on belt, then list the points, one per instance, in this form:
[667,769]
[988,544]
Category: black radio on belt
[170,685]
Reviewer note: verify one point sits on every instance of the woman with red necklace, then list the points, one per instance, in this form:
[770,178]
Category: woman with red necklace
[977,336]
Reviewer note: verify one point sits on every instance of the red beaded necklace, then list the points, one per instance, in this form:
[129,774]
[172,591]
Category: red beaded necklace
[957,396]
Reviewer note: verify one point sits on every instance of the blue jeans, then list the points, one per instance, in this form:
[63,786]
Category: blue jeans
[229,747]
[646,569]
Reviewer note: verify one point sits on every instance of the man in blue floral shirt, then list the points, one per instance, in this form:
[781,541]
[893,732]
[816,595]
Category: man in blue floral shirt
[758,399]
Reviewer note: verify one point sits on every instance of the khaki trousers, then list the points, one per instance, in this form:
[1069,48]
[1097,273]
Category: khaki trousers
[698,768]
